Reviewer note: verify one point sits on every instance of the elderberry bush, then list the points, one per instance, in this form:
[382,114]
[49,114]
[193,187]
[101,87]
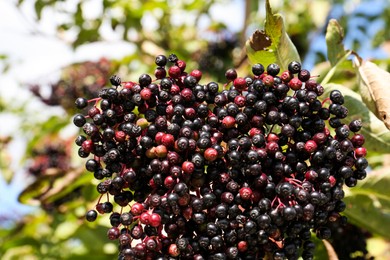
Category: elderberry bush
[192,170]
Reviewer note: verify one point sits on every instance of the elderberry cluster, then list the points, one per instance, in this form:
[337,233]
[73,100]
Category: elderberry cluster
[202,171]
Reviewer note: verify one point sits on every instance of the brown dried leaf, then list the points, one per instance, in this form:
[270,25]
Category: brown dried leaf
[375,89]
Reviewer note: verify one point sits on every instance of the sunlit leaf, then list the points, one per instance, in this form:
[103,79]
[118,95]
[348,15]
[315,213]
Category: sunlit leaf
[271,45]
[334,41]
[375,132]
[374,89]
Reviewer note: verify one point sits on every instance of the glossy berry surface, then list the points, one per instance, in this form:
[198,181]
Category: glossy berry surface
[187,169]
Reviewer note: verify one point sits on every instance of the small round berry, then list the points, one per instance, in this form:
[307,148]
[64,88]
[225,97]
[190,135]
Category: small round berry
[245,193]
[258,69]
[144,80]
[294,67]
[155,220]
[161,60]
[173,58]
[304,75]
[210,154]
[115,80]
[174,72]
[91,215]
[336,97]
[81,103]
[310,146]
[355,125]
[273,69]
[240,84]
[360,152]
[231,74]
[295,84]
[113,233]
[79,120]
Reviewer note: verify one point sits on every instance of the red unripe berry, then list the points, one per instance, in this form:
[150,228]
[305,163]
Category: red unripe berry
[286,76]
[210,154]
[310,146]
[239,100]
[295,84]
[169,182]
[268,80]
[188,167]
[254,131]
[272,137]
[160,73]
[93,111]
[145,218]
[360,152]
[155,220]
[332,180]
[196,74]
[128,85]
[99,208]
[242,246]
[181,64]
[190,113]
[168,140]
[240,84]
[169,110]
[175,89]
[137,209]
[113,233]
[152,184]
[311,175]
[245,193]
[120,136]
[187,213]
[228,122]
[158,137]
[146,94]
[87,146]
[320,137]
[173,250]
[358,140]
[272,147]
[186,94]
[174,72]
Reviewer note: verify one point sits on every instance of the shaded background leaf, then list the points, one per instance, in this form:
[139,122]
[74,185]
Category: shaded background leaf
[368,204]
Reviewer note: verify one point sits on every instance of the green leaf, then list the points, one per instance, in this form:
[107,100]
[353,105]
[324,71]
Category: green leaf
[334,41]
[374,89]
[375,132]
[368,204]
[272,45]
[38,6]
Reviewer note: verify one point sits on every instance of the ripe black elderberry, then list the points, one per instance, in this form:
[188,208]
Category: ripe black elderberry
[200,172]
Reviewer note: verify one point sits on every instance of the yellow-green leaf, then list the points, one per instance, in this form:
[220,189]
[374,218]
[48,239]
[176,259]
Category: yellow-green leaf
[334,41]
[368,204]
[271,45]
[374,89]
